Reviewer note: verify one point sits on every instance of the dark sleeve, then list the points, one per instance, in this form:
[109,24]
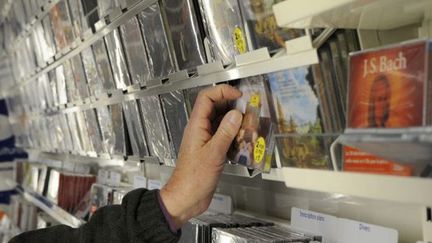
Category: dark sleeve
[138,219]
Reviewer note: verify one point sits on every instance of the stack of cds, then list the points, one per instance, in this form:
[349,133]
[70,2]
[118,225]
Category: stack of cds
[273,234]
[238,228]
[66,188]
[200,229]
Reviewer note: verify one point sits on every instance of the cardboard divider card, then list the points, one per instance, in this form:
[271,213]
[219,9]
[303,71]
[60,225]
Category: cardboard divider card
[317,223]
[357,232]
[221,204]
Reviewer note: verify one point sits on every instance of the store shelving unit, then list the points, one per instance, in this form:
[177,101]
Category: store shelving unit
[404,145]
[50,208]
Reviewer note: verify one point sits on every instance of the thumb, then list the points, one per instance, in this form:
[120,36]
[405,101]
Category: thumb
[226,132]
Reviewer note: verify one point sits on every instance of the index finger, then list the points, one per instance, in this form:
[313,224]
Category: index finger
[207,98]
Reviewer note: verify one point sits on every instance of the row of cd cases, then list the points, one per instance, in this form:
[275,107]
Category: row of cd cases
[147,56]
[150,126]
[161,39]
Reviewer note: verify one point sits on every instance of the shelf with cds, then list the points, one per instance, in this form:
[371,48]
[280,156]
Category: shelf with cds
[51,209]
[131,161]
[195,53]
[182,81]
[355,14]
[34,11]
[58,49]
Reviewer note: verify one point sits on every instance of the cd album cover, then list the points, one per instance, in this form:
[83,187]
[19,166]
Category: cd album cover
[61,25]
[135,51]
[71,89]
[79,76]
[103,65]
[156,41]
[91,71]
[262,27]
[135,129]
[107,129]
[158,141]
[49,38]
[118,59]
[387,89]
[297,117]
[94,130]
[186,33]
[224,28]
[176,116]
[251,146]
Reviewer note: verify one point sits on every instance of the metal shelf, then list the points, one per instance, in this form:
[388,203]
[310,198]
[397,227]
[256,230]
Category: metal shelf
[149,162]
[181,80]
[86,41]
[51,209]
[26,29]
[380,187]
[411,190]
[357,14]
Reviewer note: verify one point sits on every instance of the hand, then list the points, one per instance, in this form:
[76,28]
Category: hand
[202,155]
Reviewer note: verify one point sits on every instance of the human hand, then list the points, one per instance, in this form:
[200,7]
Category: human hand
[202,155]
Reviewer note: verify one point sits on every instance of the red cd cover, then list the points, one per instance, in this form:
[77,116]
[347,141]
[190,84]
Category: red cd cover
[386,90]
[387,86]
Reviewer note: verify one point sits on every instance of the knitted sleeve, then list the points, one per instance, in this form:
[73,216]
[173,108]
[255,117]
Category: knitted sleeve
[139,219]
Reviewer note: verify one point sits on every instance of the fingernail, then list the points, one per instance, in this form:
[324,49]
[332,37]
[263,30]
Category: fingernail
[235,117]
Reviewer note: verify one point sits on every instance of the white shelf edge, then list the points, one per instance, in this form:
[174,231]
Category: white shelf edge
[54,211]
[357,14]
[410,190]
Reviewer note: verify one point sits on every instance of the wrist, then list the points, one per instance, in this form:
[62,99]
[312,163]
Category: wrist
[173,204]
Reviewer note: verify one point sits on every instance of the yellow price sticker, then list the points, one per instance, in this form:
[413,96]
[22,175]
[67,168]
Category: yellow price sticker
[254,100]
[239,40]
[259,150]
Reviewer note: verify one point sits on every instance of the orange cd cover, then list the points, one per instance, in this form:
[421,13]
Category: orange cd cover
[387,89]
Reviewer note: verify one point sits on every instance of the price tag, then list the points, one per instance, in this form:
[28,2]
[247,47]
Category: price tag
[239,40]
[139,181]
[254,100]
[259,150]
